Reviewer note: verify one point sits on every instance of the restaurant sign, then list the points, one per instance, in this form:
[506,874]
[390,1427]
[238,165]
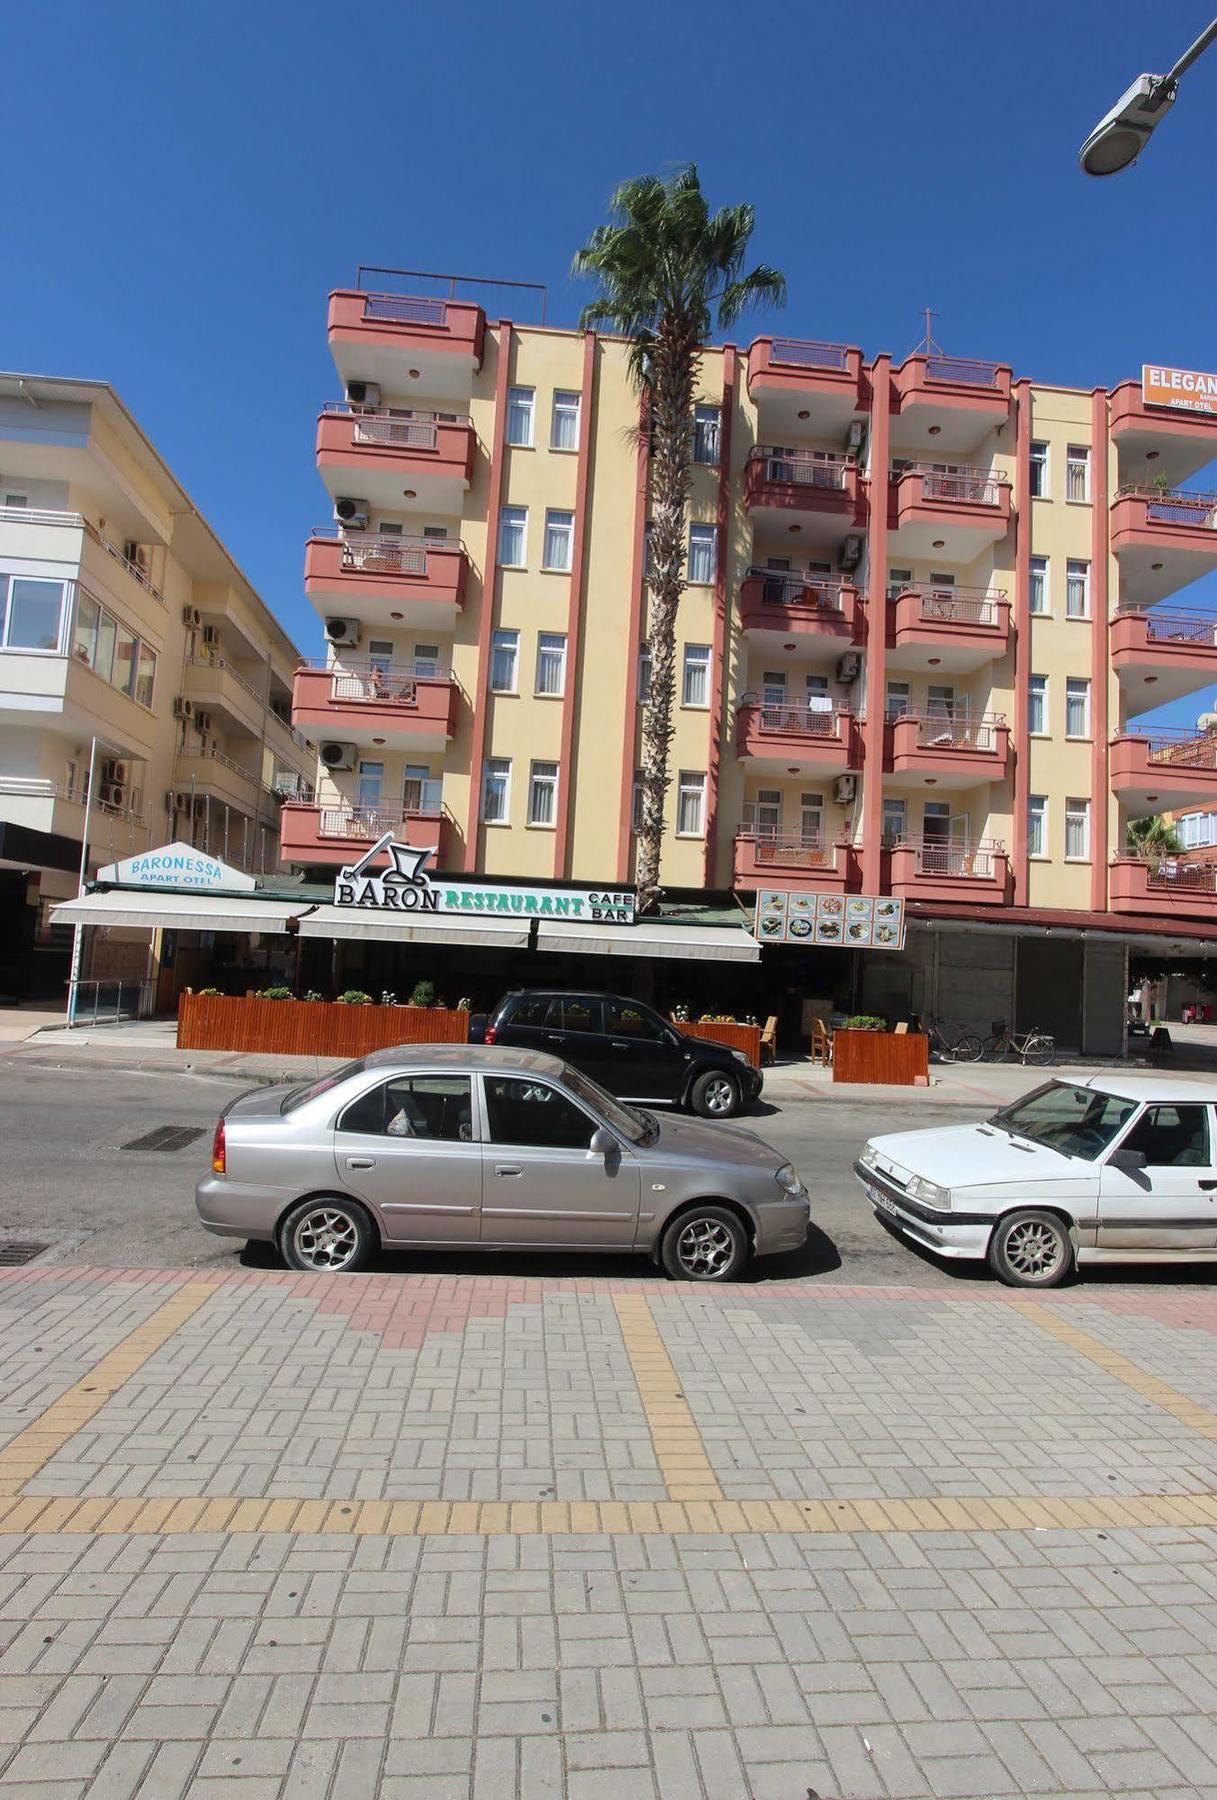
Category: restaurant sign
[835,921]
[405,886]
[1189,390]
[177,866]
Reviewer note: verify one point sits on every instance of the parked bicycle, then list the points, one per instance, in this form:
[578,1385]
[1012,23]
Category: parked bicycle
[1035,1046]
[951,1043]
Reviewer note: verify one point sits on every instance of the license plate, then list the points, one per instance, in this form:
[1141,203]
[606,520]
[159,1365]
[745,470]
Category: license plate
[881,1200]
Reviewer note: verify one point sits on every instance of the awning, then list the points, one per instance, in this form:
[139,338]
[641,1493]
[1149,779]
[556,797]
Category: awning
[413,928]
[650,938]
[178,912]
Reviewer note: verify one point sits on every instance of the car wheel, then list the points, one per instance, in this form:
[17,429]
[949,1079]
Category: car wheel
[708,1243]
[327,1236]
[1031,1249]
[715,1094]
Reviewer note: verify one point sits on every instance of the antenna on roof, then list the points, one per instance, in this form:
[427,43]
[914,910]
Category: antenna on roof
[928,346]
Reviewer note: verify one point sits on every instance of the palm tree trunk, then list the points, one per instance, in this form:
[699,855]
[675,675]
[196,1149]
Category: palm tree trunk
[673,372]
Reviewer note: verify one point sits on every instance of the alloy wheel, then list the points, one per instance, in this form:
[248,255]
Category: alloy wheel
[720,1095]
[1034,1250]
[705,1248]
[325,1239]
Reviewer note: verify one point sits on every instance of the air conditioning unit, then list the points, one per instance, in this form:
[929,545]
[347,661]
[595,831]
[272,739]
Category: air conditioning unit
[339,756]
[115,771]
[112,793]
[849,667]
[851,552]
[192,617]
[352,513]
[342,631]
[855,435]
[844,789]
[136,553]
[211,636]
[202,721]
[200,805]
[183,708]
[363,393]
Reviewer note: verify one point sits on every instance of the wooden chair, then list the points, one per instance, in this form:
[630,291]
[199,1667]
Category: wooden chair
[769,1038]
[821,1041]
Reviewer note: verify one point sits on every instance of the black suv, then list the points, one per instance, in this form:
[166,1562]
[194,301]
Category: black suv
[626,1047]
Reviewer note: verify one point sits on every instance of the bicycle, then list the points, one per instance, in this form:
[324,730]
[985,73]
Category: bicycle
[1034,1047]
[962,1046]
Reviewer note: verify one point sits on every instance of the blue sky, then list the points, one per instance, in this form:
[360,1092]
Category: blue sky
[185,184]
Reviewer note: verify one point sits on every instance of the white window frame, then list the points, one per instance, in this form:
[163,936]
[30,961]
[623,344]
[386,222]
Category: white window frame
[636,803]
[1040,463]
[1039,580]
[543,779]
[1037,698]
[645,672]
[66,616]
[521,411]
[691,785]
[905,699]
[493,767]
[498,642]
[707,434]
[1077,809]
[1037,826]
[513,519]
[695,664]
[567,403]
[560,535]
[1077,580]
[1077,457]
[894,807]
[551,647]
[705,538]
[430,789]
[1077,689]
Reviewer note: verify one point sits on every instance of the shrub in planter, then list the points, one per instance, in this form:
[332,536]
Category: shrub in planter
[276,993]
[209,993]
[865,1022]
[355,997]
[314,995]
[388,998]
[424,994]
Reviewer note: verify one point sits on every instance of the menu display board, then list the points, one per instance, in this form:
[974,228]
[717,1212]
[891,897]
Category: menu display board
[838,921]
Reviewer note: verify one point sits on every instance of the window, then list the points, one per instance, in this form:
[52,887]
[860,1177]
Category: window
[1039,469]
[533,1113]
[1077,1121]
[690,804]
[564,423]
[644,673]
[895,818]
[551,662]
[126,660]
[435,1107]
[636,802]
[504,662]
[706,434]
[434,534]
[16,499]
[559,537]
[1037,705]
[579,1012]
[513,536]
[767,812]
[543,794]
[773,688]
[1077,707]
[108,648]
[1077,472]
[811,817]
[1077,590]
[897,699]
[520,406]
[1039,584]
[702,556]
[695,682]
[420,790]
[388,528]
[496,790]
[1077,829]
[940,701]
[1172,1137]
[368,785]
[1037,824]
[145,681]
[648,552]
[426,660]
[897,581]
[623,1020]
[380,653]
[31,613]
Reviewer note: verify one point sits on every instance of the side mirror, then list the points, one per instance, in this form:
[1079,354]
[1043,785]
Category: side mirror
[603,1142]
[1130,1161]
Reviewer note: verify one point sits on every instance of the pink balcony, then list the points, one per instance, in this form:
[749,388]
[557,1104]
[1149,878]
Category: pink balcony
[776,606]
[1163,771]
[817,491]
[966,874]
[956,751]
[792,860]
[1162,655]
[1174,440]
[792,376]
[796,739]
[359,703]
[1163,538]
[425,457]
[1163,890]
[386,580]
[952,628]
[408,343]
[340,834]
[954,513]
[949,403]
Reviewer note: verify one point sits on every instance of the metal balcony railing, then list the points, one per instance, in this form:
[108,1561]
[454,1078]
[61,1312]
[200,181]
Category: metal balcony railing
[1195,628]
[405,309]
[209,754]
[811,593]
[28,787]
[978,486]
[953,605]
[971,860]
[1180,749]
[802,468]
[962,369]
[942,731]
[292,787]
[1183,878]
[1165,506]
[380,683]
[42,515]
[776,849]
[799,721]
[808,353]
[367,823]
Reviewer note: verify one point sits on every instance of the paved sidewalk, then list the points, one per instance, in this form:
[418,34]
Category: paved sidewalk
[266,1536]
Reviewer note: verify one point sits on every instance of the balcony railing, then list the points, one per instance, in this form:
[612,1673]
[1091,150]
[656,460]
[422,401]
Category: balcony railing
[954,605]
[979,486]
[802,468]
[938,731]
[1180,749]
[963,369]
[31,787]
[969,860]
[380,683]
[1183,878]
[786,849]
[208,753]
[43,515]
[1164,507]
[135,571]
[797,721]
[1175,627]
[807,353]
[203,660]
[404,431]
[292,787]
[405,309]
[367,823]
[811,593]
[384,555]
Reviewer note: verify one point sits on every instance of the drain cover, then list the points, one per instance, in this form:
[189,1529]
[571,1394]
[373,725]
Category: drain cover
[166,1137]
[13,1254]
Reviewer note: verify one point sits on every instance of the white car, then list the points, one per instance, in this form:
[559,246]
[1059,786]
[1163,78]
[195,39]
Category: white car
[1106,1170]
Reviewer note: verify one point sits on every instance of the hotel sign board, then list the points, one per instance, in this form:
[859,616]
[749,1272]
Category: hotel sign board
[1187,390]
[832,921]
[177,866]
[405,886]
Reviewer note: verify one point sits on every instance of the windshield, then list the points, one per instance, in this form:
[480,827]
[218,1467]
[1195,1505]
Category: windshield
[1076,1121]
[627,1120]
[302,1095]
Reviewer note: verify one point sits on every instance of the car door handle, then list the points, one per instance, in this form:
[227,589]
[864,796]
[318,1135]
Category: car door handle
[555,1037]
[361,1162]
[619,1045]
[508,1169]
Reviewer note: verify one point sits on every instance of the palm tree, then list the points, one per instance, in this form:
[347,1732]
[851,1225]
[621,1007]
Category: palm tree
[669,271]
[1152,837]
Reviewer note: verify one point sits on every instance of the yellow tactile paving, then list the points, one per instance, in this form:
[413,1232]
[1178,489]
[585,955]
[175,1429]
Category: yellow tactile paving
[1189,1412]
[679,1450]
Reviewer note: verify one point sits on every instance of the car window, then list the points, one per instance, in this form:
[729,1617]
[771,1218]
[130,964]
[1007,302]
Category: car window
[621,1019]
[436,1107]
[1171,1137]
[535,1010]
[1077,1121]
[301,1095]
[581,1013]
[632,1124]
[519,1111]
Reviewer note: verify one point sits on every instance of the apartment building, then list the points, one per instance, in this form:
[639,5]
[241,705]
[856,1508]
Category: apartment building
[129,637]
[927,603]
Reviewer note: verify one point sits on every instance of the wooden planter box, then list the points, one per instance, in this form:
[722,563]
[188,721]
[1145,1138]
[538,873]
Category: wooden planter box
[881,1056]
[310,1027]
[737,1037]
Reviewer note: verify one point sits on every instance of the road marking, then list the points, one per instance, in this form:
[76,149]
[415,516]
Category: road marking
[1188,1412]
[677,1442]
[28,1453]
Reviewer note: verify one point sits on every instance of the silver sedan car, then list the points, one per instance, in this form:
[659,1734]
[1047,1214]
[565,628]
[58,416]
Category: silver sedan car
[437,1145]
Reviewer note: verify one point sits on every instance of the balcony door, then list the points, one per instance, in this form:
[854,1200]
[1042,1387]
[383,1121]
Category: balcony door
[811,819]
[773,689]
[368,788]
[818,700]
[768,813]
[420,792]
[895,819]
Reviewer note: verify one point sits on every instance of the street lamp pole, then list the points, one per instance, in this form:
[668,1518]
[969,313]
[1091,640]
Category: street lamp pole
[1120,136]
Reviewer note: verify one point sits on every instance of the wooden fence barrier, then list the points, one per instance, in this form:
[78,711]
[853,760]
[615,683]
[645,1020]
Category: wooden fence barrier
[310,1027]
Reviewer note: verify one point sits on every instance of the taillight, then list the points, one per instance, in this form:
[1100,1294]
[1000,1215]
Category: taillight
[219,1161]
[492,1036]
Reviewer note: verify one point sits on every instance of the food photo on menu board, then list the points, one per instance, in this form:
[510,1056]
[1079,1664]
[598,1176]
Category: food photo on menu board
[854,921]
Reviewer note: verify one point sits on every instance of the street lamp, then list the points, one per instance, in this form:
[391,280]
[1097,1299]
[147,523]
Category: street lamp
[1118,139]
